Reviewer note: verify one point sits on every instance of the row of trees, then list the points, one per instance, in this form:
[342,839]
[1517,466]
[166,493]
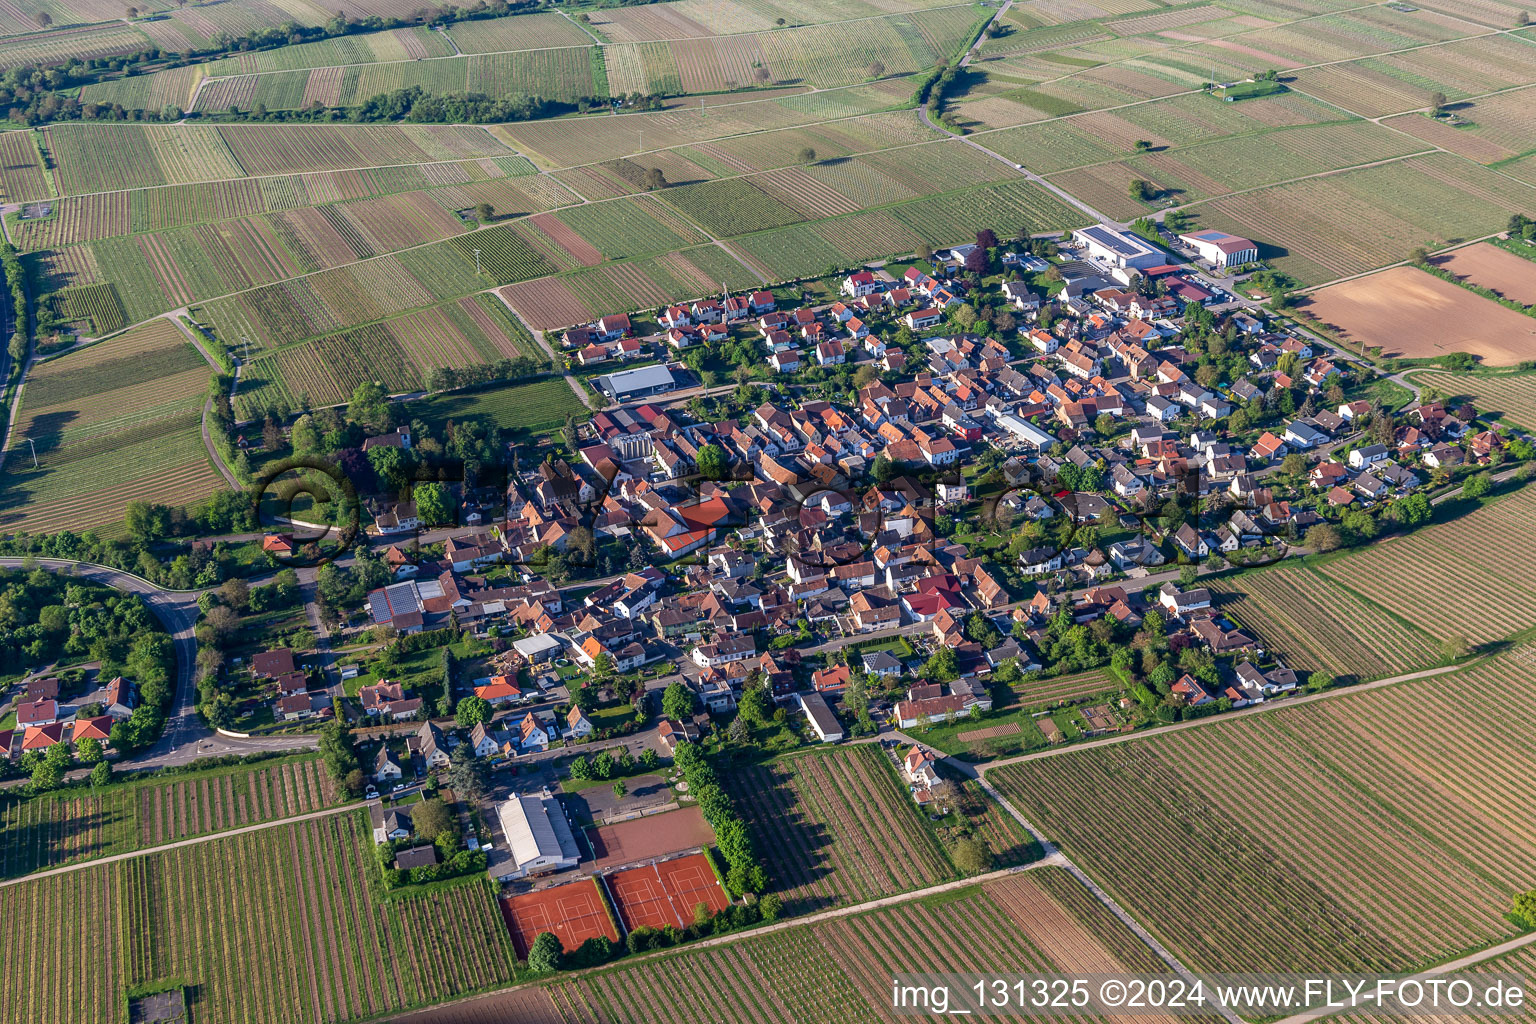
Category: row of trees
[744,872]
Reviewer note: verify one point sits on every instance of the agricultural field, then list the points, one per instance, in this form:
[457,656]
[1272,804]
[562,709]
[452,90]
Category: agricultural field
[1378,844]
[1426,576]
[733,206]
[1213,169]
[1407,313]
[305,910]
[625,227]
[22,178]
[95,309]
[1489,266]
[1314,623]
[112,423]
[1319,229]
[836,827]
[1510,398]
[592,291]
[399,353]
[839,971]
[100,157]
[56,829]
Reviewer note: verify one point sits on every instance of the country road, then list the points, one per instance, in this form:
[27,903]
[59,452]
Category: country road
[185,738]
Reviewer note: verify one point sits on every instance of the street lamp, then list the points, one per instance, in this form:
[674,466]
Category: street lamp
[477,260]
[34,450]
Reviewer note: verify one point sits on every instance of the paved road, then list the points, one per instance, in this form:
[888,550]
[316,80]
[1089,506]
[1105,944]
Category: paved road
[186,738]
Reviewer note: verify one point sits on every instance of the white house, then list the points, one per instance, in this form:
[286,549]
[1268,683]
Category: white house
[1368,455]
[1304,435]
[577,725]
[385,767]
[724,651]
[1182,602]
[858,285]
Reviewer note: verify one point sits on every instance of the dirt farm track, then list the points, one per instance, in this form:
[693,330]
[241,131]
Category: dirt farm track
[1410,314]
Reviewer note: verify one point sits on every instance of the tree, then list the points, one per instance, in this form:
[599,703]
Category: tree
[771,905]
[433,504]
[101,774]
[972,857]
[1437,102]
[89,751]
[739,731]
[1322,538]
[335,750]
[677,702]
[1187,576]
[876,69]
[713,462]
[544,954]
[1143,146]
[1294,464]
[43,19]
[484,212]
[133,12]
[655,179]
[943,667]
[433,818]
[1143,191]
[466,774]
[807,155]
[369,407]
[755,705]
[472,711]
[619,789]
[1477,485]
[649,759]
[147,521]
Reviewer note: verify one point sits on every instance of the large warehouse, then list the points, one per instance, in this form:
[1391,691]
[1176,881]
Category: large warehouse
[641,382]
[538,837]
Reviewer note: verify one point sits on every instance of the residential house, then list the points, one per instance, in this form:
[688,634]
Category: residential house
[577,725]
[481,741]
[1368,455]
[386,768]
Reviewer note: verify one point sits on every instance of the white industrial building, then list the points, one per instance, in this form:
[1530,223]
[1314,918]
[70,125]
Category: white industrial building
[1025,431]
[538,837]
[641,382]
[1119,248]
[539,647]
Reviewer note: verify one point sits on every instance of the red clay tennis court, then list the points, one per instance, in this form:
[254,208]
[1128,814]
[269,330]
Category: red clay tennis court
[573,912]
[663,894]
[653,836]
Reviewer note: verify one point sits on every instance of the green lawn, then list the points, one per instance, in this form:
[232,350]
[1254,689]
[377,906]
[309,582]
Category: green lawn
[536,407]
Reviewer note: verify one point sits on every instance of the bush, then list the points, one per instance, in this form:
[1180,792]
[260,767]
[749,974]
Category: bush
[596,950]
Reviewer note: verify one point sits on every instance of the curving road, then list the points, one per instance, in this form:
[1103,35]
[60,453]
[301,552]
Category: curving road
[186,738]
